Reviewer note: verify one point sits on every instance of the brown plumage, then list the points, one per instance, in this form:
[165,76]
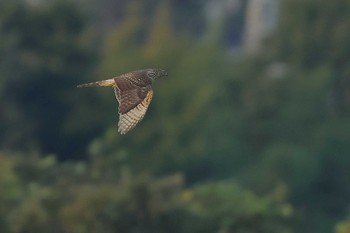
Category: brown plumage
[134,93]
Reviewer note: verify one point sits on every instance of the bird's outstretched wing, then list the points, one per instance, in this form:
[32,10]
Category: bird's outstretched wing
[129,119]
[129,94]
[129,99]
[133,102]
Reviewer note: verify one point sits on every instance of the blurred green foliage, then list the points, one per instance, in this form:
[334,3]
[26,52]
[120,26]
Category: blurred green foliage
[40,197]
[229,144]
[44,50]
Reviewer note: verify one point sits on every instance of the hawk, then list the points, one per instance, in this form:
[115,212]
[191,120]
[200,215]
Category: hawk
[134,93]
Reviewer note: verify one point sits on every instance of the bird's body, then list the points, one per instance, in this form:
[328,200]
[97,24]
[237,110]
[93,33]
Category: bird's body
[134,93]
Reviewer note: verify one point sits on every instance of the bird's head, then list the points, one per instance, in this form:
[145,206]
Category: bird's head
[155,74]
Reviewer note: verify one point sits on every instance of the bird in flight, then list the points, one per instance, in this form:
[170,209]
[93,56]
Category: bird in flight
[134,93]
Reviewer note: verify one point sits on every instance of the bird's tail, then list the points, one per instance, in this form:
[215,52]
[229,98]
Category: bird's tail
[103,83]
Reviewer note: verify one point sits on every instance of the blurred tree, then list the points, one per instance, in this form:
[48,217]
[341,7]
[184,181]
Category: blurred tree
[313,33]
[70,197]
[343,227]
[296,113]
[226,207]
[43,54]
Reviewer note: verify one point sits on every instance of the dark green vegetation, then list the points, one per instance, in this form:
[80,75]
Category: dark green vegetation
[228,144]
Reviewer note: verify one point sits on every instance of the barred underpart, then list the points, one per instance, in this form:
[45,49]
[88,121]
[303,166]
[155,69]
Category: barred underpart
[130,119]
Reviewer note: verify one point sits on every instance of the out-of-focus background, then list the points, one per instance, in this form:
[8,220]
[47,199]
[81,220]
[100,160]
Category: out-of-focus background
[250,133]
